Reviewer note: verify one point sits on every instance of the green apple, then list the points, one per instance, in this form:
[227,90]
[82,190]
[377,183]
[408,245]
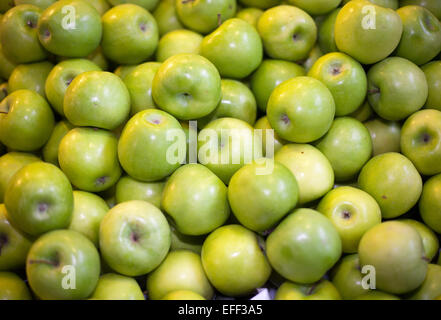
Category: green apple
[392,4]
[204,16]
[301,109]
[30,76]
[431,287]
[385,135]
[250,15]
[262,193]
[6,5]
[128,189]
[61,77]
[312,170]
[12,287]
[269,75]
[430,203]
[352,212]
[316,7]
[430,240]
[70,28]
[322,290]
[89,209]
[188,86]
[113,286]
[143,146]
[97,57]
[14,245]
[276,143]
[377,295]
[312,57]
[130,34]
[100,91]
[63,265]
[261,4]
[166,17]
[367,32]
[19,35]
[181,270]
[26,121]
[393,181]
[433,5]
[347,277]
[182,295]
[288,33]
[134,238]
[123,70]
[432,70]
[344,77]
[3,90]
[396,251]
[233,260]
[227,144]
[39,198]
[235,48]
[89,158]
[181,241]
[100,5]
[348,146]
[326,37]
[43,4]
[147,4]
[196,199]
[396,88]
[419,141]
[304,246]
[237,102]
[6,65]
[421,39]
[139,83]
[176,42]
[50,149]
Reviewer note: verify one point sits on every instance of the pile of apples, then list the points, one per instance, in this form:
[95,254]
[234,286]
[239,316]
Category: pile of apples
[346,93]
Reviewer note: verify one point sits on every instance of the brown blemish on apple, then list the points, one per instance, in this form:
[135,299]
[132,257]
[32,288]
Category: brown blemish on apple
[3,242]
[43,207]
[134,237]
[285,119]
[425,259]
[374,90]
[101,180]
[46,33]
[296,37]
[346,214]
[143,26]
[384,197]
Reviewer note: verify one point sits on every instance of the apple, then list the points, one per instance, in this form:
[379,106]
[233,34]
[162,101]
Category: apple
[269,75]
[396,88]
[3,90]
[432,5]
[326,37]
[377,295]
[188,86]
[128,189]
[430,240]
[99,59]
[421,39]
[431,287]
[312,57]
[182,295]
[430,204]
[204,16]
[366,39]
[6,5]
[432,70]
[316,7]
[130,34]
[14,245]
[181,270]
[344,77]
[166,17]
[134,238]
[234,261]
[100,91]
[10,163]
[101,6]
[261,4]
[287,32]
[259,196]
[52,255]
[348,146]
[196,199]
[147,4]
[61,77]
[392,4]
[6,65]
[139,83]
[89,209]
[347,277]
[143,145]
[237,102]
[181,241]
[12,287]
[277,142]
[304,246]
[50,149]
[176,42]
[43,4]
[112,286]
[385,135]
[322,290]
[19,35]
[30,76]
[235,48]
[123,70]
[393,181]
[250,15]
[26,121]
[396,251]
[77,36]
[227,144]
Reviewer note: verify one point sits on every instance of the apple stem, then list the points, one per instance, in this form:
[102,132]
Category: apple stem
[374,91]
[44,261]
[312,288]
[4,108]
[219,19]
